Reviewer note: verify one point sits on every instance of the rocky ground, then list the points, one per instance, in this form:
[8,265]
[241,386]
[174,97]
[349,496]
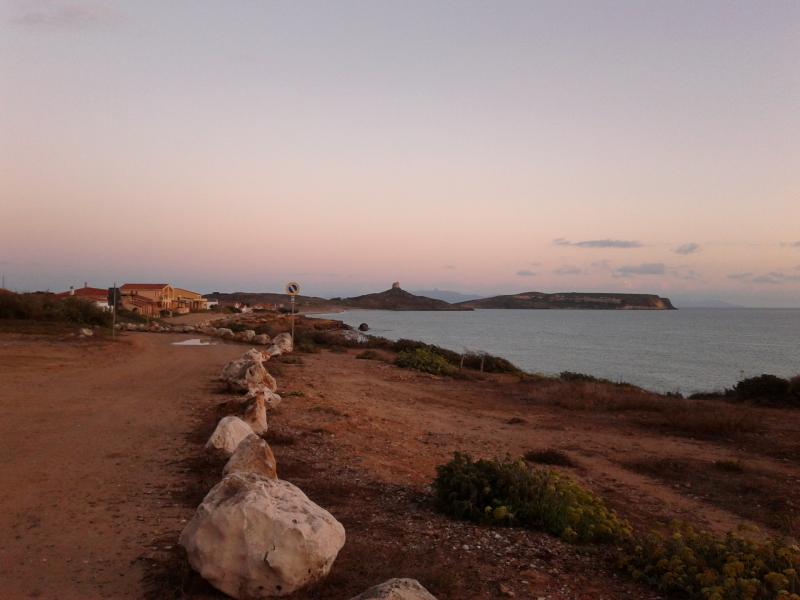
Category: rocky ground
[102,466]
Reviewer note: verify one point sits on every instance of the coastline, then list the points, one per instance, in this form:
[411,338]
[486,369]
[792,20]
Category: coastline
[363,438]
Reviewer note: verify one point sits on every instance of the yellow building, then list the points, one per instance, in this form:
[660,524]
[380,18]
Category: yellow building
[188,301]
[148,299]
[154,299]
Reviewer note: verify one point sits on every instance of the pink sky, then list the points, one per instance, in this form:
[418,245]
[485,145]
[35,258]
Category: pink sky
[227,146]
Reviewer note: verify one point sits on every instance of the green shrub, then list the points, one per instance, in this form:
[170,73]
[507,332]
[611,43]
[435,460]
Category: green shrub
[549,456]
[794,386]
[571,376]
[510,493]
[424,360]
[49,307]
[369,355]
[765,388]
[698,564]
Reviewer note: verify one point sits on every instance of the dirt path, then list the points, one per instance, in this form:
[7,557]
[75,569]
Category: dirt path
[100,442]
[90,436]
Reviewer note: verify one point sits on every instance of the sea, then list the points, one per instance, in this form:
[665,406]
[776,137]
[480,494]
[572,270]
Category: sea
[686,351]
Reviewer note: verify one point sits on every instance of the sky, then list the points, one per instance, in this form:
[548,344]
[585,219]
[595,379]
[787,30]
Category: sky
[484,147]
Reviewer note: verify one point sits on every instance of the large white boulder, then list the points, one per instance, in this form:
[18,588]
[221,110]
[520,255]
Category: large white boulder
[252,456]
[281,344]
[248,372]
[224,332]
[396,589]
[262,339]
[254,537]
[248,335]
[227,436]
[271,399]
[255,414]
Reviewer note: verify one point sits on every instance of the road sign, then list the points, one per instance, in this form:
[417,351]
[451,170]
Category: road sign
[293,288]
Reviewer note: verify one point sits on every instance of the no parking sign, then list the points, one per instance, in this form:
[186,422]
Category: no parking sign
[293,288]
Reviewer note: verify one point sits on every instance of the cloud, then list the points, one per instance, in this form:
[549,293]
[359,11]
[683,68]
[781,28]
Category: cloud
[740,276]
[642,269]
[449,267]
[791,244]
[525,273]
[568,270]
[776,278]
[60,14]
[689,248]
[684,272]
[599,243]
[771,278]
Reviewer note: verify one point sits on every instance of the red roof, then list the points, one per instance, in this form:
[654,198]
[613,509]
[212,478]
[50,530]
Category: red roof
[144,286]
[86,292]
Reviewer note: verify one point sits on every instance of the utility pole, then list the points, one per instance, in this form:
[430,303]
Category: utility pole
[114,312]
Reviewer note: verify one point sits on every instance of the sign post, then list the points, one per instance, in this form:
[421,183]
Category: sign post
[292,289]
[114,313]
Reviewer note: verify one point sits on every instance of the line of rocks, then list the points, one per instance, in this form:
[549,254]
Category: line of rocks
[248,336]
[254,535]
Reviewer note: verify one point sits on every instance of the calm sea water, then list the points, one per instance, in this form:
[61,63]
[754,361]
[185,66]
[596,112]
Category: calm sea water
[685,350]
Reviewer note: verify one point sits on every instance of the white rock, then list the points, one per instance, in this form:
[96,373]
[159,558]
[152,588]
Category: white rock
[262,339]
[396,589]
[248,373]
[224,332]
[246,336]
[252,456]
[85,332]
[254,537]
[283,341]
[255,415]
[271,399]
[227,436]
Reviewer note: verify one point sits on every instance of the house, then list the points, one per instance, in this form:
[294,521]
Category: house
[188,301]
[149,299]
[99,296]
[154,299]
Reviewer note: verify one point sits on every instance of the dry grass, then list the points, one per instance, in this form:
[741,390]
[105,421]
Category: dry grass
[762,496]
[550,456]
[590,396]
[693,418]
[707,420]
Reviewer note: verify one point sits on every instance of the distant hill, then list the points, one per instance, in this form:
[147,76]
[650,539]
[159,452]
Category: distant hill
[446,295]
[574,300]
[396,299]
[254,298]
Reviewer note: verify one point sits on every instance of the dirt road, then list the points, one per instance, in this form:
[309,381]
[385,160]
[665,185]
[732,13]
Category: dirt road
[91,438]
[101,465]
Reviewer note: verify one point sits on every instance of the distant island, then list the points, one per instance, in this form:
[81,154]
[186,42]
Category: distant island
[396,298]
[399,299]
[573,300]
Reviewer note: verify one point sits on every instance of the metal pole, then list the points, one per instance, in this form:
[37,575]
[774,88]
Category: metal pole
[293,322]
[114,313]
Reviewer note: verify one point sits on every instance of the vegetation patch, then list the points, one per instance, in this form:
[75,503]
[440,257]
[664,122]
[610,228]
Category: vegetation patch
[509,492]
[369,355]
[766,389]
[762,496]
[694,419]
[698,564]
[49,307]
[573,377]
[550,456]
[426,361]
